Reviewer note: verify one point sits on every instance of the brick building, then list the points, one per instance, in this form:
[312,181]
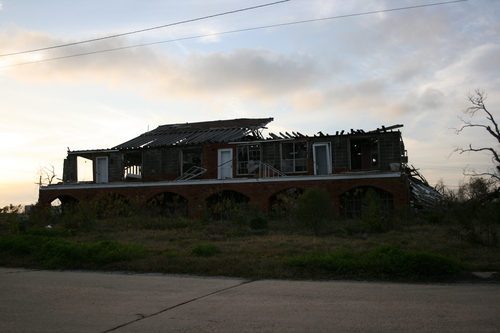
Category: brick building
[197,164]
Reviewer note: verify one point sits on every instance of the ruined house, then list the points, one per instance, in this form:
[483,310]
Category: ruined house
[197,164]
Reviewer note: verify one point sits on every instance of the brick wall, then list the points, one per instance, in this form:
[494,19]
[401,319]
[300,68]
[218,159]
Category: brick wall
[258,192]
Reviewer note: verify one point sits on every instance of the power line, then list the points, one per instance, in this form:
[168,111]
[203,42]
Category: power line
[235,31]
[144,30]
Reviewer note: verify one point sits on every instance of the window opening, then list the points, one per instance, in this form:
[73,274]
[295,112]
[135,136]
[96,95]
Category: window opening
[294,156]
[248,159]
[364,154]
[190,157]
[132,165]
[85,167]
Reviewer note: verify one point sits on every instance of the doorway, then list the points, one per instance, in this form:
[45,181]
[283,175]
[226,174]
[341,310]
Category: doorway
[101,170]
[225,164]
[322,159]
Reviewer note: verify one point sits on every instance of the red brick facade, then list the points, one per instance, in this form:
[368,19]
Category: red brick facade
[258,190]
[233,155]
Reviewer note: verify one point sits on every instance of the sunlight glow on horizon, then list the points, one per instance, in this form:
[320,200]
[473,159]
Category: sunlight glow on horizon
[411,67]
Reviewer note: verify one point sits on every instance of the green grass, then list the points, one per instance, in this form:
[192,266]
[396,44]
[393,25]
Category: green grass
[205,250]
[55,253]
[382,262]
[408,252]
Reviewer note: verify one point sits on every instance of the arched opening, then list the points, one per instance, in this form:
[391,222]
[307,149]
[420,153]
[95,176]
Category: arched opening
[110,205]
[225,204]
[169,204]
[283,202]
[357,200]
[63,204]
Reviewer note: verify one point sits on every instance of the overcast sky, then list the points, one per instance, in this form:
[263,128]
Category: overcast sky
[412,67]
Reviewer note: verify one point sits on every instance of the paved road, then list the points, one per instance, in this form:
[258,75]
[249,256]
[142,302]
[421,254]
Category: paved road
[51,301]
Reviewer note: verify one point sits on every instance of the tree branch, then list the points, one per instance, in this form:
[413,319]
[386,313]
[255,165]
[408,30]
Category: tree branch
[477,100]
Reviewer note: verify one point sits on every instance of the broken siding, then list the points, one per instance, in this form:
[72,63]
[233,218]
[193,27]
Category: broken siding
[272,155]
[70,169]
[340,153]
[115,166]
[171,161]
[161,163]
[389,149]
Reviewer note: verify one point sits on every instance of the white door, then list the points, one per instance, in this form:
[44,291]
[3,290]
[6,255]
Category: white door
[322,159]
[225,159]
[101,170]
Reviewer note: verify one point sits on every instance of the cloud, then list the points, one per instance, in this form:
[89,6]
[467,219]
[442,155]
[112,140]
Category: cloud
[255,73]
[476,66]
[252,72]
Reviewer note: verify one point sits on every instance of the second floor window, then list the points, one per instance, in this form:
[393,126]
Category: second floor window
[133,164]
[248,159]
[294,156]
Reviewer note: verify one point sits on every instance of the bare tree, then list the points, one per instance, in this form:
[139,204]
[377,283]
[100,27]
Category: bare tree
[477,100]
[46,175]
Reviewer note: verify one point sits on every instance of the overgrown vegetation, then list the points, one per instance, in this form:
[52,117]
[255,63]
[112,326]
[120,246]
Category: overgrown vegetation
[51,252]
[475,207]
[302,239]
[314,209]
[381,261]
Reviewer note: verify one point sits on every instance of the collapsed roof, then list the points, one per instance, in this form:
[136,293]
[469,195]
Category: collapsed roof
[200,132]
[218,131]
[423,196]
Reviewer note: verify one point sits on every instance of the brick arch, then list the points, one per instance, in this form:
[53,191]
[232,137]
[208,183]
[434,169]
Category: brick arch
[228,194]
[67,202]
[378,187]
[221,204]
[168,203]
[46,197]
[351,201]
[277,203]
[64,199]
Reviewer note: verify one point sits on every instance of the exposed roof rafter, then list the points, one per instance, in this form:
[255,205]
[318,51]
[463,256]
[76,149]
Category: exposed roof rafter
[200,132]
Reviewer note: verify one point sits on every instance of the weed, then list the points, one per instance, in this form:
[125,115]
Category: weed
[258,223]
[205,250]
[382,261]
[52,252]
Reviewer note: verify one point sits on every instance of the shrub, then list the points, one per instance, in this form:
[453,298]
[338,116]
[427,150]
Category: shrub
[41,215]
[373,219]
[475,206]
[108,206]
[383,261]
[10,217]
[20,245]
[258,223]
[53,253]
[314,209]
[285,204]
[81,216]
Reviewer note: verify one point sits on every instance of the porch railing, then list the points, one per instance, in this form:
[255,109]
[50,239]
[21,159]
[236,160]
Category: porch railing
[268,171]
[191,173]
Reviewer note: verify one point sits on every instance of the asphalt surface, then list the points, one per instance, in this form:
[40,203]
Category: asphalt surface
[73,301]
